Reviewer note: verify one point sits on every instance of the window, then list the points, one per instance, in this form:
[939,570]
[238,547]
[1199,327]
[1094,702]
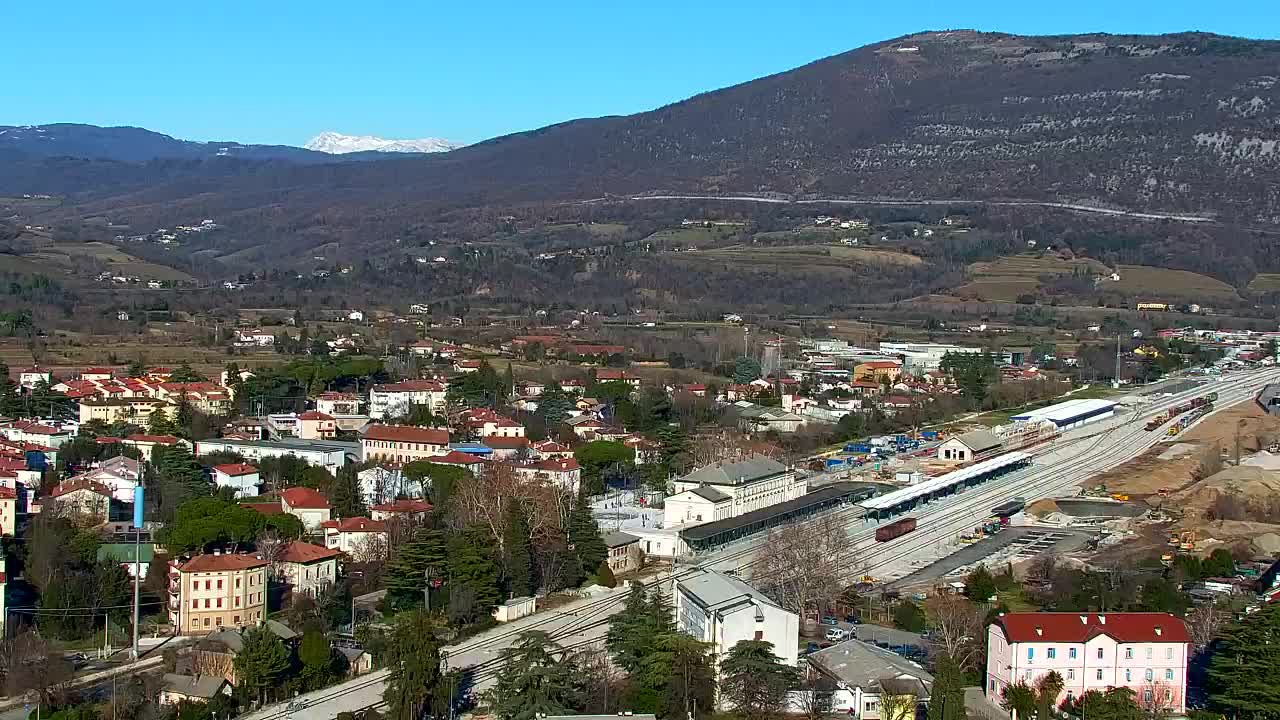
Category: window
[1146,695]
[195,584]
[237,583]
[1053,653]
[1031,654]
[1168,674]
[1099,653]
[195,622]
[208,584]
[871,706]
[759,635]
[219,602]
[1168,695]
[1026,674]
[1168,653]
[237,601]
[195,604]
[206,603]
[1150,675]
[206,622]
[1149,651]
[218,621]
[1128,653]
[992,686]
[1071,653]
[1128,675]
[1070,697]
[1099,673]
[1071,673]
[219,584]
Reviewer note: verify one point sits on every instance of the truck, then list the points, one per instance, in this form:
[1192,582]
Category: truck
[929,434]
[1012,507]
[857,448]
[895,529]
[833,463]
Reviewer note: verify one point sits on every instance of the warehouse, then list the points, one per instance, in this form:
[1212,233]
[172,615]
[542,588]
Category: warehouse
[1070,414]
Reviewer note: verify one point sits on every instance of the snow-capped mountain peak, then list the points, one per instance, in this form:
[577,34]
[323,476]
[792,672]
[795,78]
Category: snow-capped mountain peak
[339,144]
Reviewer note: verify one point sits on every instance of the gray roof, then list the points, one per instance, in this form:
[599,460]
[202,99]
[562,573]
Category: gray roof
[722,593]
[860,664]
[710,493]
[735,472]
[979,440]
[761,412]
[201,686]
[618,539]
[290,444]
[234,639]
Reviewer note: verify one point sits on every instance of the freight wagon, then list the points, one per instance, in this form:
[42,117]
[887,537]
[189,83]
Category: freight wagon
[895,529]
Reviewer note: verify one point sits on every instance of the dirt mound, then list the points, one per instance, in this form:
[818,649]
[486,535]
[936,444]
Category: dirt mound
[1042,508]
[1236,493]
[1256,428]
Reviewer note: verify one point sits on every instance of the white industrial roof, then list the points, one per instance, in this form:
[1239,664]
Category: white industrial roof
[907,494]
[1065,411]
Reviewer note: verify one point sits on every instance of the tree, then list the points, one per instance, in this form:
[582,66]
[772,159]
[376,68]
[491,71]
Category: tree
[32,665]
[1048,688]
[437,481]
[1219,564]
[956,629]
[535,680]
[185,374]
[746,369]
[755,680]
[946,698]
[598,456]
[681,668]
[316,658]
[413,656]
[345,496]
[604,575]
[634,631]
[803,565]
[518,563]
[908,616]
[1245,664]
[1156,700]
[898,706]
[260,663]
[472,571]
[584,537]
[1161,595]
[554,405]
[136,369]
[979,585]
[1020,698]
[160,423]
[1204,623]
[202,522]
[1114,704]
[406,575]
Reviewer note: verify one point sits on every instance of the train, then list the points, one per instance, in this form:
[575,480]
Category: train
[895,529]
[1012,507]
[1185,421]
[1193,404]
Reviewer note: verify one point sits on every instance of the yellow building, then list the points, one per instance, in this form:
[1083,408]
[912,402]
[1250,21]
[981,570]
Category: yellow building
[215,591]
[878,370]
[135,410]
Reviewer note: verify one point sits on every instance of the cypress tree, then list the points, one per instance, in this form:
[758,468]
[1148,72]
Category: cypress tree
[519,555]
[584,536]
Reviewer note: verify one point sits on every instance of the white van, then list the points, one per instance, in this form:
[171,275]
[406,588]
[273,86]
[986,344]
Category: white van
[837,634]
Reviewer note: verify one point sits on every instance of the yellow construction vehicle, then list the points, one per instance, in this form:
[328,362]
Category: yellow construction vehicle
[1120,496]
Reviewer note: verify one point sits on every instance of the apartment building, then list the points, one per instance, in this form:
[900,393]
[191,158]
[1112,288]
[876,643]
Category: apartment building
[215,591]
[308,568]
[403,443]
[135,410]
[395,399]
[1145,652]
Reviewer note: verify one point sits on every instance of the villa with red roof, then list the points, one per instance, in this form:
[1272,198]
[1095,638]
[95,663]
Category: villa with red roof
[83,497]
[221,590]
[403,443]
[402,508]
[359,537]
[306,504]
[457,458]
[315,425]
[562,472]
[1146,652]
[308,568]
[240,477]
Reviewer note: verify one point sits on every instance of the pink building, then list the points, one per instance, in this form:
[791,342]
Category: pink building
[1146,652]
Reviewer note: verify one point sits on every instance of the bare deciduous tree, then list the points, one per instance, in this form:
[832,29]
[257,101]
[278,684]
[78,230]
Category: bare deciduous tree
[32,666]
[816,700]
[271,547]
[897,706]
[370,549]
[1156,700]
[957,628]
[1204,623]
[804,566]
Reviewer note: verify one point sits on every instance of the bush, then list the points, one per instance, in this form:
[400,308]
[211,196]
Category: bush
[604,575]
[908,616]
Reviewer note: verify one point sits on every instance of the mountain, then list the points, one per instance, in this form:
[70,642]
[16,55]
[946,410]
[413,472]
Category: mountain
[339,144]
[1181,123]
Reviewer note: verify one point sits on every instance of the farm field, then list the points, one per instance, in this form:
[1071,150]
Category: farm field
[1005,278]
[70,257]
[1265,282]
[804,258]
[602,230]
[693,236]
[1181,283]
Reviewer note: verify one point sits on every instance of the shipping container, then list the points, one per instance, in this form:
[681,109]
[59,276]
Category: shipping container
[895,529]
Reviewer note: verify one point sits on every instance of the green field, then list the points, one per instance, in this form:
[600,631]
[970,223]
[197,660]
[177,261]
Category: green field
[1005,278]
[800,258]
[1265,282]
[72,257]
[601,230]
[693,236]
[1156,282]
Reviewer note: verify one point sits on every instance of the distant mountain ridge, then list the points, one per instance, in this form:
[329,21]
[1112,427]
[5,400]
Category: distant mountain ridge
[339,144]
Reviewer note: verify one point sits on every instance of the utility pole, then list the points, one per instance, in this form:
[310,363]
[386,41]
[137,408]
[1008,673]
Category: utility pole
[138,495]
[426,590]
[1116,382]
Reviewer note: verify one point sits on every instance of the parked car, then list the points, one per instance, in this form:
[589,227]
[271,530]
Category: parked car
[829,620]
[836,634]
[853,619]
[811,648]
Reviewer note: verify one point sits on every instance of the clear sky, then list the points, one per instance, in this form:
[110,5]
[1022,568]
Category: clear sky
[280,71]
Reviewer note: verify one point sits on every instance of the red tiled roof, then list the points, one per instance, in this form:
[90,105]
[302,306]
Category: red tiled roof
[267,507]
[554,465]
[315,415]
[1125,627]
[71,486]
[405,433]
[217,563]
[403,505]
[8,493]
[301,552]
[157,439]
[497,442]
[411,386]
[355,524]
[104,440]
[455,457]
[605,374]
[304,498]
[236,469]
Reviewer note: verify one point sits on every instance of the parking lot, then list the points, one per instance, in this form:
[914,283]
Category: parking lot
[1021,542]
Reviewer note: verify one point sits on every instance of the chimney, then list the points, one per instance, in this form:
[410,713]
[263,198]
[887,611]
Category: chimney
[1102,618]
[1158,631]
[217,551]
[1084,619]
[1039,630]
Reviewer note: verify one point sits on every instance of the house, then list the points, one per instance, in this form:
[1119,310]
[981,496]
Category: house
[401,508]
[120,474]
[328,454]
[505,448]
[145,444]
[8,511]
[216,653]
[32,376]
[466,366]
[255,338]
[358,660]
[483,422]
[562,472]
[573,386]
[550,449]
[380,482]
[28,431]
[604,375]
[338,403]
[207,397]
[397,399]
[625,554]
[355,316]
[136,410]
[1144,651]
[359,537]
[240,477]
[307,568]
[864,675]
[215,591]
[878,370]
[315,425]
[966,447]
[176,688]
[423,348]
[751,483]
[457,458]
[722,610]
[760,418]
[306,504]
[85,498]
[403,443]
[697,505]
[585,426]
[647,451]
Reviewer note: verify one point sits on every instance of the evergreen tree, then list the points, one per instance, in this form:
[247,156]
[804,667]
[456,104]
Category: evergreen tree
[680,669]
[746,369]
[755,680]
[628,635]
[946,699]
[160,423]
[260,663]
[604,575]
[345,494]
[979,585]
[474,575]
[317,660]
[413,656]
[554,405]
[184,417]
[535,679]
[185,374]
[1245,665]
[406,575]
[584,536]
[518,564]
[136,369]
[10,398]
[1020,698]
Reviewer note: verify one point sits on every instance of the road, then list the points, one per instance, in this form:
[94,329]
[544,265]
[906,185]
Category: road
[1074,457]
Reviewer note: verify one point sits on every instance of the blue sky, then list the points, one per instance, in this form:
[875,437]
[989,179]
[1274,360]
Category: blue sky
[279,71]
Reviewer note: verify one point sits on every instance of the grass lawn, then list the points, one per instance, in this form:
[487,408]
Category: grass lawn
[1014,600]
[1092,392]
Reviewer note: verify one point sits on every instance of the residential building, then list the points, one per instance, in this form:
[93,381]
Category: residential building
[551,449]
[32,376]
[722,610]
[219,590]
[328,454]
[585,426]
[483,422]
[378,483]
[405,508]
[136,410]
[864,675]
[971,445]
[1143,651]
[83,497]
[241,478]
[920,358]
[625,554]
[761,418]
[697,505]
[8,514]
[878,370]
[397,399]
[30,431]
[403,443]
[604,375]
[146,443]
[562,472]
[359,537]
[207,397]
[255,338]
[176,688]
[506,448]
[466,461]
[306,504]
[315,425]
[338,403]
[751,483]
[120,474]
[307,568]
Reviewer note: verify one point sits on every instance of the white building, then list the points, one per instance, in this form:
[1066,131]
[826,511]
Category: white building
[256,338]
[920,358]
[308,568]
[966,447]
[748,484]
[241,478]
[328,454]
[723,611]
[397,399]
